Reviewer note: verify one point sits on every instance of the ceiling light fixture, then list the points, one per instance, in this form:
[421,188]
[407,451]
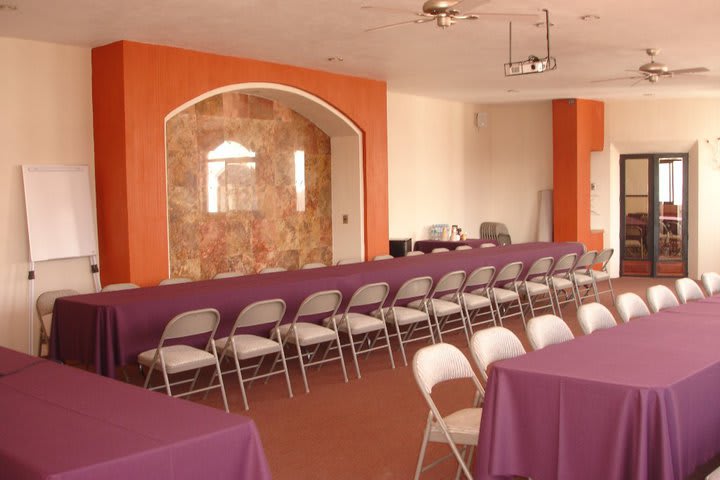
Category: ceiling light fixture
[512,90]
[335,58]
[589,18]
[6,7]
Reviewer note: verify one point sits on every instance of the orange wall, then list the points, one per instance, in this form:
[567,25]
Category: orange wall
[136,85]
[578,130]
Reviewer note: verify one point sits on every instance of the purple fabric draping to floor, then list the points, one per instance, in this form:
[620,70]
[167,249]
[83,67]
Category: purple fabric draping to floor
[638,401]
[62,423]
[111,328]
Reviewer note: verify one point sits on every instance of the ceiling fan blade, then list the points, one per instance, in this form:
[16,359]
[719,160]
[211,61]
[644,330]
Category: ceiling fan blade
[398,24]
[688,70]
[468,4]
[618,78]
[640,80]
[508,17]
[389,9]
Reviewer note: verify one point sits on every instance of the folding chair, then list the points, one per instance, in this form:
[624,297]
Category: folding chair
[536,283]
[44,305]
[401,315]
[242,347]
[115,287]
[507,295]
[602,259]
[583,279]
[547,330]
[476,296]
[355,323]
[175,280]
[492,344]
[561,281]
[440,363]
[221,275]
[629,305]
[687,290]
[304,334]
[661,297]
[172,359]
[711,282]
[309,266]
[594,316]
[444,302]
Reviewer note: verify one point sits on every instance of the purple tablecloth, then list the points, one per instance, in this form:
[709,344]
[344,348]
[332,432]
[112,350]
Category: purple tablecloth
[638,401]
[427,246]
[111,328]
[61,423]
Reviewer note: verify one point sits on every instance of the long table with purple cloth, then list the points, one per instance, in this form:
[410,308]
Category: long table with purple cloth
[111,328]
[62,423]
[637,401]
[427,246]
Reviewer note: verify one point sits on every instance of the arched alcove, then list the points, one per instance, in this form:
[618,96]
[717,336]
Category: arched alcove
[346,192]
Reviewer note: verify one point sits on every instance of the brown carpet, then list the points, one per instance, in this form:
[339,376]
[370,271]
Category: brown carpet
[369,428]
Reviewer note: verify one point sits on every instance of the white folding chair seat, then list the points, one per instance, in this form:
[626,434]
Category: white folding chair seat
[250,346]
[243,347]
[44,305]
[711,282]
[492,344]
[546,330]
[476,296]
[221,275]
[582,278]
[603,259]
[178,358]
[415,291]
[174,281]
[661,297]
[354,323]
[304,334]
[687,290]
[115,287]
[561,281]
[504,291]
[629,305]
[441,363]
[594,316]
[309,266]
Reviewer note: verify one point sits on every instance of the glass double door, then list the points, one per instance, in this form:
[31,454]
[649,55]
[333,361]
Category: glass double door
[653,207]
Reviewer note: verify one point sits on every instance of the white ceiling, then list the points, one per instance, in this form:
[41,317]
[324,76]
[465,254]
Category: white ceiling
[464,62]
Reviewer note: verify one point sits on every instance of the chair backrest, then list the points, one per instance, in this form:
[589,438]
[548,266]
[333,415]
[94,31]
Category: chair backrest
[629,305]
[594,316]
[450,283]
[273,270]
[46,300]
[487,245]
[219,276]
[383,257]
[687,290]
[414,253]
[439,250]
[509,273]
[585,262]
[370,294]
[312,265]
[173,281]
[415,288]
[194,322]
[711,282]
[463,247]
[439,363]
[547,330]
[540,268]
[565,264]
[260,313]
[480,277]
[114,287]
[348,261]
[489,345]
[603,258]
[325,302]
[660,297]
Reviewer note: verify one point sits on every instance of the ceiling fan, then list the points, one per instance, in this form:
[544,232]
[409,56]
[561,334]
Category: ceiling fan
[445,13]
[653,71]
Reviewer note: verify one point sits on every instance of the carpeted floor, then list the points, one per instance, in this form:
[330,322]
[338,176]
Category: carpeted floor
[369,428]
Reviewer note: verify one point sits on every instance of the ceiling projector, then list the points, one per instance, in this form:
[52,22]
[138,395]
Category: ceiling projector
[532,65]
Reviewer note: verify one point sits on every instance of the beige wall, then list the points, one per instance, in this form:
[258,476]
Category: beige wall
[444,169]
[657,126]
[46,105]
